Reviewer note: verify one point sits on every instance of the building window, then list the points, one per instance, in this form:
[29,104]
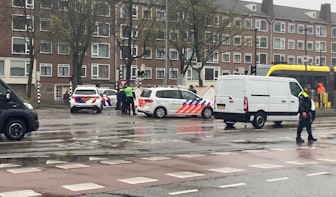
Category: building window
[310,30]
[100,71]
[173,73]
[279,27]
[125,51]
[45,70]
[333,61]
[125,31]
[236,57]
[211,74]
[248,23]
[262,58]
[226,39]
[237,22]
[211,56]
[146,13]
[134,73]
[279,58]
[22,23]
[212,20]
[125,10]
[101,50]
[291,44]
[248,41]
[20,46]
[291,28]
[147,54]
[226,72]
[64,48]
[63,70]
[83,71]
[173,54]
[46,4]
[19,68]
[160,53]
[320,46]
[45,47]
[333,47]
[279,43]
[301,29]
[148,73]
[310,46]
[261,25]
[261,41]
[160,15]
[102,30]
[160,73]
[291,59]
[173,35]
[248,58]
[191,56]
[45,24]
[300,45]
[237,40]
[226,57]
[160,34]
[321,31]
[63,5]
[23,3]
[192,74]
[333,32]
[2,68]
[104,8]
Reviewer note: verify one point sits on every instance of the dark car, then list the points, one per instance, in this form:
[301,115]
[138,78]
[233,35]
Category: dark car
[17,117]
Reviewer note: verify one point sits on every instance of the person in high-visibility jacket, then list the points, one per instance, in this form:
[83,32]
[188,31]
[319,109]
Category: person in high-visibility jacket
[130,95]
[305,106]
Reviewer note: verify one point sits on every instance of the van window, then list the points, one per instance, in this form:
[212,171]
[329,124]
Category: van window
[85,92]
[295,88]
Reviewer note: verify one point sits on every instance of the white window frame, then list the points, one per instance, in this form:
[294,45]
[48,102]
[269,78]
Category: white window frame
[47,66]
[96,32]
[59,66]
[145,9]
[45,43]
[282,26]
[291,27]
[282,43]
[2,67]
[237,54]
[248,55]
[225,54]
[160,70]
[150,54]
[64,44]
[261,25]
[318,46]
[215,73]
[321,31]
[281,56]
[159,51]
[171,71]
[300,29]
[171,56]
[289,58]
[148,73]
[29,18]
[299,44]
[248,41]
[237,37]
[333,47]
[226,39]
[47,20]
[310,45]
[248,23]
[211,58]
[29,4]
[26,68]
[192,74]
[95,48]
[83,73]
[291,44]
[26,45]
[259,38]
[95,66]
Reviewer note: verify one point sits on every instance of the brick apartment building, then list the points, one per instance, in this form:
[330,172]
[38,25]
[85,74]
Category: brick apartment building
[280,33]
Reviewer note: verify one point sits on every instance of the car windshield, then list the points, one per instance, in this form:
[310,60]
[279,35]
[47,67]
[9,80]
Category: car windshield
[85,92]
[146,93]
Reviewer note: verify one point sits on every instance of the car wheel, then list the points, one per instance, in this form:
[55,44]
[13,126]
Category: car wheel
[15,130]
[259,120]
[160,112]
[207,112]
[73,110]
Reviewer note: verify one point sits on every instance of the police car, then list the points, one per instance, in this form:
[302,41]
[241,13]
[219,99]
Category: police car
[160,102]
[86,97]
[109,97]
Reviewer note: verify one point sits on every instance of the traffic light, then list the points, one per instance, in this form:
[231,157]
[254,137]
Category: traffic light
[253,70]
[141,73]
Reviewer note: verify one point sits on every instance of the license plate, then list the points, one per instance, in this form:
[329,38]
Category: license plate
[221,106]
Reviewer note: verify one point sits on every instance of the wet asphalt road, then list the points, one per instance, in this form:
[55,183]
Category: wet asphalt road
[77,138]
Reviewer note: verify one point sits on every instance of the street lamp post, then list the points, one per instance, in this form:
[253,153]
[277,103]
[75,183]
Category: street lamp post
[255,49]
[305,58]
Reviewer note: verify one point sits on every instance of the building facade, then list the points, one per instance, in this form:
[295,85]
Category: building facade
[271,34]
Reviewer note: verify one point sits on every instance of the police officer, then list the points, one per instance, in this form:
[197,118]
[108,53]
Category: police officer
[130,95]
[123,101]
[305,115]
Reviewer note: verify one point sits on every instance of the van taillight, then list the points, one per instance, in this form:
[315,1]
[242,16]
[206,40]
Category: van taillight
[245,104]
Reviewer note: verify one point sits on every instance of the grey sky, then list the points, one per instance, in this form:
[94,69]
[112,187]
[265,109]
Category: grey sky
[307,4]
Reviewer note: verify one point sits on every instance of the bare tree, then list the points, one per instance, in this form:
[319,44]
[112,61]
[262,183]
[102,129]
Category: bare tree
[78,21]
[33,23]
[134,28]
[199,26]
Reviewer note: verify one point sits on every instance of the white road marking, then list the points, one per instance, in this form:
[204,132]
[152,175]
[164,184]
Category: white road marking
[232,185]
[318,173]
[277,179]
[155,158]
[115,162]
[22,193]
[23,170]
[82,186]
[73,165]
[226,170]
[301,162]
[190,155]
[137,180]
[183,192]
[265,165]
[185,174]
[327,159]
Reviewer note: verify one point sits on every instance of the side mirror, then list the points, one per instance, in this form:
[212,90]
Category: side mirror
[8,95]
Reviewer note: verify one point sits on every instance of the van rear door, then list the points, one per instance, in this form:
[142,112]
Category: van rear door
[230,95]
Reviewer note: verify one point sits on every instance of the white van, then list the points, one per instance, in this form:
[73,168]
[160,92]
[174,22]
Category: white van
[256,99]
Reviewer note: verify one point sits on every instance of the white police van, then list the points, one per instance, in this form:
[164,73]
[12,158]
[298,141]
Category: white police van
[162,102]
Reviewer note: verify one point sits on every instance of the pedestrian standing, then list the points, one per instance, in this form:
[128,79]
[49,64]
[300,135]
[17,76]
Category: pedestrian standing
[192,89]
[123,102]
[130,95]
[305,115]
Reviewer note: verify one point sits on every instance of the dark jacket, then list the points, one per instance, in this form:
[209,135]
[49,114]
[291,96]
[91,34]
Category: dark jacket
[304,102]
